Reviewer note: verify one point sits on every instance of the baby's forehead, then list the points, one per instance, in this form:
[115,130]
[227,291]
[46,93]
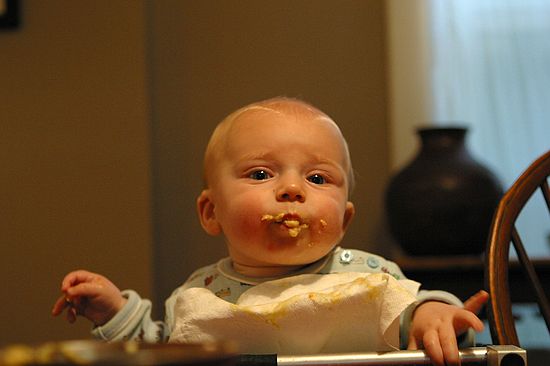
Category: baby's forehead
[254,115]
[285,114]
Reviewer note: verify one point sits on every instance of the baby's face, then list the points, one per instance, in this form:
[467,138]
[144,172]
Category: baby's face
[280,190]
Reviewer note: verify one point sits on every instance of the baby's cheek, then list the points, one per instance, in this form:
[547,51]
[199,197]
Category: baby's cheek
[331,223]
[249,227]
[243,222]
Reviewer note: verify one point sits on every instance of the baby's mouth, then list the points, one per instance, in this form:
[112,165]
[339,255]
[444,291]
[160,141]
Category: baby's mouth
[291,221]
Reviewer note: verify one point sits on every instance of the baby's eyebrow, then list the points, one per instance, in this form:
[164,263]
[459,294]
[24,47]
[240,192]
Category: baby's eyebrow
[324,161]
[254,156]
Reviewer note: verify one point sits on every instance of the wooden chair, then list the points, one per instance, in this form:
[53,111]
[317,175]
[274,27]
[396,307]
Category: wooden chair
[503,232]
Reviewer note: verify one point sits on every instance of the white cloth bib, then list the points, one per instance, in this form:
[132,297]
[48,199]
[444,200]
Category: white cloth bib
[304,314]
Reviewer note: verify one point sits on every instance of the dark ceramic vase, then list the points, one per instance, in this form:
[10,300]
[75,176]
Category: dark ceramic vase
[442,203]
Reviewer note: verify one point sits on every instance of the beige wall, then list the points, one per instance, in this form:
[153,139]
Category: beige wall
[105,104]
[75,157]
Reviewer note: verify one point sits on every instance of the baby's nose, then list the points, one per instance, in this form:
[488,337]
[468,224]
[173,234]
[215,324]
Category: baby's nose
[291,192]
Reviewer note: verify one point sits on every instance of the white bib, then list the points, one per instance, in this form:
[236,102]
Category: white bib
[304,314]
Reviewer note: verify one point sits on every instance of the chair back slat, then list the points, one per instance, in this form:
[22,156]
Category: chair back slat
[546,193]
[531,274]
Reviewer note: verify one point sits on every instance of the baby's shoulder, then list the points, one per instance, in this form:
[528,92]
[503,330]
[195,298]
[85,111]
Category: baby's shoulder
[355,260]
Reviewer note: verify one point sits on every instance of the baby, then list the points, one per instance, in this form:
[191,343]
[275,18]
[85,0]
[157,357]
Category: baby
[278,176]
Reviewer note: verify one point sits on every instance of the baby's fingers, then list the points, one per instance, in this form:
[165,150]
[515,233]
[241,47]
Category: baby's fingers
[465,320]
[449,346]
[433,347]
[71,314]
[60,304]
[83,290]
[413,344]
[76,277]
[476,302]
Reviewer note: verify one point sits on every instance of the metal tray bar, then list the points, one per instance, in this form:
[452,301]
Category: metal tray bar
[490,356]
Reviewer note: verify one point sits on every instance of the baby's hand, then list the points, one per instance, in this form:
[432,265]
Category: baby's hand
[436,325]
[90,295]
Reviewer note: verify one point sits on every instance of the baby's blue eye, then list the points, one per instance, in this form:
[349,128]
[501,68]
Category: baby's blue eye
[316,179]
[259,175]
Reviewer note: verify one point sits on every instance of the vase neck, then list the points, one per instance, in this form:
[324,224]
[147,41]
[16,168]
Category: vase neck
[442,140]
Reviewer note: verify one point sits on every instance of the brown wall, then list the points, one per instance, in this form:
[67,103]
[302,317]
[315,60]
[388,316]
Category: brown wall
[106,107]
[75,157]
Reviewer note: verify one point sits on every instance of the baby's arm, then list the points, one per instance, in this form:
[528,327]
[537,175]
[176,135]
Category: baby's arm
[117,315]
[436,325]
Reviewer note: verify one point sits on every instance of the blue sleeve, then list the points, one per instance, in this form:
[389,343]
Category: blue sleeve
[133,322]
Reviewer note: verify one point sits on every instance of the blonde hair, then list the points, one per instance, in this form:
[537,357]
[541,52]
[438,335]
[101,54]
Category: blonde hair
[281,105]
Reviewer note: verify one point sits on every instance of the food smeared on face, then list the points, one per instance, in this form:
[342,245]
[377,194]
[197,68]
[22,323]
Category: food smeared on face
[277,218]
[292,222]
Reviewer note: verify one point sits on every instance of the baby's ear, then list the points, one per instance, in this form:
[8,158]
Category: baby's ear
[348,215]
[207,216]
